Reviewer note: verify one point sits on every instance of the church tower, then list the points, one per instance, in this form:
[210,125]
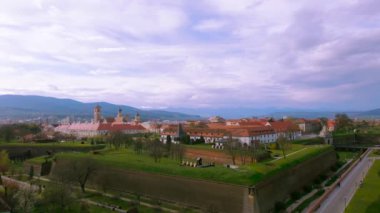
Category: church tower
[119,117]
[97,114]
[137,119]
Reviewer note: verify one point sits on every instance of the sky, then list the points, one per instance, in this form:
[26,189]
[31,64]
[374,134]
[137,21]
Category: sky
[194,54]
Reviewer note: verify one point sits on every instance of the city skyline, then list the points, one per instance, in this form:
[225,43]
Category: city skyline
[176,54]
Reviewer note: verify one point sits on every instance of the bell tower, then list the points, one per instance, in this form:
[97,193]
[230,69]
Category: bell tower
[119,117]
[137,118]
[97,114]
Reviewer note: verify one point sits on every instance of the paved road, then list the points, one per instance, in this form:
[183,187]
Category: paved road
[341,196]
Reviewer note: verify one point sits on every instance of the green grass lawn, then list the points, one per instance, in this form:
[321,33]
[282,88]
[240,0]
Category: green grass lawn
[346,155]
[245,175]
[375,153]
[58,144]
[38,160]
[117,202]
[202,146]
[293,148]
[367,198]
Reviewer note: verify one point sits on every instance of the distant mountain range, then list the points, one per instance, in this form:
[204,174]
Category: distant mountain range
[244,112]
[28,107]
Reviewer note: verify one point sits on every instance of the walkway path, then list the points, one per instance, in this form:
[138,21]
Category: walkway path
[341,196]
[288,155]
[121,198]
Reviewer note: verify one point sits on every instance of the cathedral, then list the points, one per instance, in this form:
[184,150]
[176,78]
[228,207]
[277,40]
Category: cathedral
[103,126]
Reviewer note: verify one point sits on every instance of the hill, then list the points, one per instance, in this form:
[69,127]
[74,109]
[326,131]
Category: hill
[371,113]
[29,106]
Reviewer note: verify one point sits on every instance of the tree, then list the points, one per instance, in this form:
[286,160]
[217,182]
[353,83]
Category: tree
[26,199]
[232,148]
[168,143]
[343,122]
[7,133]
[4,167]
[252,150]
[103,180]
[78,171]
[4,161]
[243,152]
[156,149]
[202,140]
[58,197]
[178,151]
[324,121]
[138,146]
[284,144]
[31,172]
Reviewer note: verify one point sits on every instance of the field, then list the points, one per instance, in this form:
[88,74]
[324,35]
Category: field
[221,157]
[367,198]
[245,175]
[375,153]
[346,155]
[58,144]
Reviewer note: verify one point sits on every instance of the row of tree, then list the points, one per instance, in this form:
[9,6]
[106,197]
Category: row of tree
[11,132]
[255,152]
[147,144]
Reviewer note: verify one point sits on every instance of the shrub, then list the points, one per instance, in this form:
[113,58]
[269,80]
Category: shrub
[279,206]
[307,188]
[295,195]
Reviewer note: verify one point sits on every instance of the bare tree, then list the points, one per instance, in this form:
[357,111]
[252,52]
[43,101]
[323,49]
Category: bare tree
[284,144]
[4,167]
[58,197]
[243,153]
[178,151]
[138,146]
[232,147]
[79,171]
[4,161]
[103,180]
[118,139]
[156,149]
[26,199]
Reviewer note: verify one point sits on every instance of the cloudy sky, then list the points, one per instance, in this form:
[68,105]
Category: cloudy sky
[204,53]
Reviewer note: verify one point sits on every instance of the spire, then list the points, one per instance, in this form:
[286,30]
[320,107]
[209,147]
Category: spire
[97,113]
[119,117]
[137,118]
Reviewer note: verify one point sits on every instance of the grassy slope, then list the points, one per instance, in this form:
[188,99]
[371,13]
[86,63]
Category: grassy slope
[367,198]
[66,144]
[346,155]
[375,153]
[246,175]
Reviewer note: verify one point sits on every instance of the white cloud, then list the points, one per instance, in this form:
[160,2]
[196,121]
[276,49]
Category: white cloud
[210,25]
[176,53]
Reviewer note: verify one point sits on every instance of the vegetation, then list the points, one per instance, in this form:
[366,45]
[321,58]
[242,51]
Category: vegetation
[367,198]
[246,175]
[307,202]
[11,132]
[77,171]
[284,144]
[375,153]
[343,123]
[346,155]
[232,148]
[4,161]
[72,144]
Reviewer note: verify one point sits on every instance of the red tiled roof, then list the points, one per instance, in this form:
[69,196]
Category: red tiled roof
[284,126]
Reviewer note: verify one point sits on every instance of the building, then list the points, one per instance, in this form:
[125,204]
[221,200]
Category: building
[216,119]
[246,131]
[102,126]
[309,126]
